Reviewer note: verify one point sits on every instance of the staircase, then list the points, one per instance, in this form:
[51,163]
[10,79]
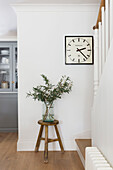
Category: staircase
[102,110]
[81,145]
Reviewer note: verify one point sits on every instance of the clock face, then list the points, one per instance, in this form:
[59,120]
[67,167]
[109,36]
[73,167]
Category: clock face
[79,50]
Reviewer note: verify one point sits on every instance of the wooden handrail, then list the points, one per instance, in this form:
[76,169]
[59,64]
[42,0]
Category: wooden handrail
[99,19]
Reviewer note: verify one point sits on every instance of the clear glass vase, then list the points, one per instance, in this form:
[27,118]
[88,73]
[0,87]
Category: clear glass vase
[48,114]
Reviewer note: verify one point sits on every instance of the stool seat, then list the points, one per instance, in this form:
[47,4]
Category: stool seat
[47,140]
[55,122]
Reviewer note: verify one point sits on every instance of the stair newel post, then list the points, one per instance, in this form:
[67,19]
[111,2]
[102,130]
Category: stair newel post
[103,36]
[107,25]
[96,62]
[100,49]
[111,20]
[97,66]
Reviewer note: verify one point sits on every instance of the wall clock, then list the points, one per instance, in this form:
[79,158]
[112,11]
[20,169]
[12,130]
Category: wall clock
[79,50]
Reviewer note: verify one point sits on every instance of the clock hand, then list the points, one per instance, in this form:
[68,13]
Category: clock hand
[81,53]
[82,49]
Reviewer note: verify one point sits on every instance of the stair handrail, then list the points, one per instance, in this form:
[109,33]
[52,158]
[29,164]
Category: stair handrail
[99,19]
[103,34]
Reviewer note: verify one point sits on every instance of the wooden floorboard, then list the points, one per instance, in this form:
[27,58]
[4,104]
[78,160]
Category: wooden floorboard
[82,144]
[10,159]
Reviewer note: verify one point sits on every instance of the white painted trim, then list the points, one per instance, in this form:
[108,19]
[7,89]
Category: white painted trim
[51,4]
[106,16]
[100,50]
[8,38]
[29,145]
[25,145]
[81,157]
[103,37]
[54,8]
[111,20]
[8,92]
[96,61]
[8,129]
[84,135]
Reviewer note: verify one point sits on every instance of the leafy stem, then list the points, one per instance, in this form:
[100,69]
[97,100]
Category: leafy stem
[48,92]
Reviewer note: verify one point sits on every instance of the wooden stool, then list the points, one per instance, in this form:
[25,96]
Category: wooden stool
[46,124]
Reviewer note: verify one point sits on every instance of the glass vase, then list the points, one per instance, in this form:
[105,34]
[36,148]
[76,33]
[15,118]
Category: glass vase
[48,114]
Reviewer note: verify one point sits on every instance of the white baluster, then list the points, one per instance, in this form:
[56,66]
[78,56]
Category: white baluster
[100,49]
[103,37]
[96,62]
[106,16]
[111,20]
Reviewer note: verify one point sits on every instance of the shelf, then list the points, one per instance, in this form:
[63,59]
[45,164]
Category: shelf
[2,64]
[4,67]
[8,92]
[4,55]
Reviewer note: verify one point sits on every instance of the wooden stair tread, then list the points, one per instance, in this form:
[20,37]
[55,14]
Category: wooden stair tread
[82,144]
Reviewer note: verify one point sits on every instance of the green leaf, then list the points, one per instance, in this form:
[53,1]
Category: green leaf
[48,93]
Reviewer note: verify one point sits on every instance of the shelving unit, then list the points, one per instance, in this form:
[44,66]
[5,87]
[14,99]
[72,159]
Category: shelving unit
[8,86]
[8,67]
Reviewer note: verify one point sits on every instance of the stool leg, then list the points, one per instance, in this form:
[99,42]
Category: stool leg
[46,145]
[59,139]
[39,138]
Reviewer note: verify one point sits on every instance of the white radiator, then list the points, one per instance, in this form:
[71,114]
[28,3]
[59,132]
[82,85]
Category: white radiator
[95,160]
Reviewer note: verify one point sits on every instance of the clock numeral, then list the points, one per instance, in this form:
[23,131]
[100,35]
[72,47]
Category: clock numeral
[69,44]
[78,39]
[84,40]
[88,44]
[84,59]
[68,50]
[69,55]
[78,55]
[78,60]
[73,59]
[73,40]
[89,50]
[88,55]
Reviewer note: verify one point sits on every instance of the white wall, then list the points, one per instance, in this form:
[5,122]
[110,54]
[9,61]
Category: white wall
[8,22]
[41,31]
[102,118]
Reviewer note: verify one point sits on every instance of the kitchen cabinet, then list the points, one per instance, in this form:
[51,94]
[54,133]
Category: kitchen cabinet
[8,86]
[8,67]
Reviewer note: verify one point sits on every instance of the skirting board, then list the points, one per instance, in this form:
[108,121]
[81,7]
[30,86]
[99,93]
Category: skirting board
[8,129]
[81,157]
[84,135]
[54,146]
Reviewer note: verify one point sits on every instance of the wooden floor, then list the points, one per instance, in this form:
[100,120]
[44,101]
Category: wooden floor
[10,159]
[82,144]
